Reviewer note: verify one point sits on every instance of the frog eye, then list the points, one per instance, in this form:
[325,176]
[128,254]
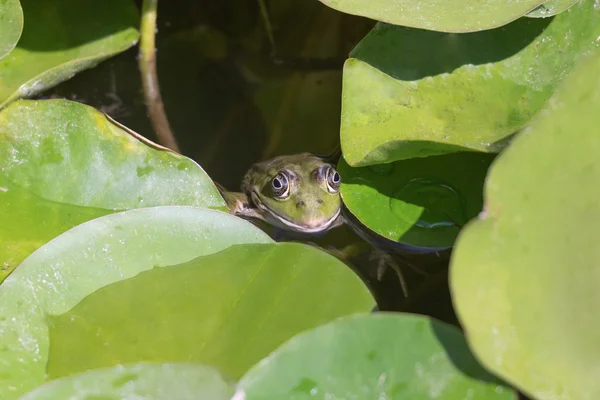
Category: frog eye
[333,180]
[281,186]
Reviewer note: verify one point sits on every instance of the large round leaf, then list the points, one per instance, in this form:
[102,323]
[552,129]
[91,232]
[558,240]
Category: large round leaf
[420,202]
[90,256]
[550,8]
[11,25]
[135,382]
[228,310]
[61,38]
[412,93]
[376,356]
[57,154]
[525,275]
[438,15]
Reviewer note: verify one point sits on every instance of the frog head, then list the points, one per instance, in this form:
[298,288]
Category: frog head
[297,192]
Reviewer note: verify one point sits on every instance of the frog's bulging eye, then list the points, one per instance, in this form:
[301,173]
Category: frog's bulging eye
[333,180]
[281,186]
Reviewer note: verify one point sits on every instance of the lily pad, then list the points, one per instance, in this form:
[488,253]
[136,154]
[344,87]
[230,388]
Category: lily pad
[524,276]
[468,91]
[421,202]
[377,356]
[11,25]
[438,15]
[56,277]
[63,37]
[550,8]
[227,310]
[141,381]
[58,154]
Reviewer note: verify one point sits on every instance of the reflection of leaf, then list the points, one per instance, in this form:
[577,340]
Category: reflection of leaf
[302,108]
[227,310]
[463,92]
[438,15]
[11,25]
[550,8]
[93,255]
[56,154]
[420,202]
[379,356]
[141,381]
[525,275]
[61,38]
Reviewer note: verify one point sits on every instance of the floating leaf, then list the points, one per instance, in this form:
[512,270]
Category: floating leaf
[421,202]
[11,25]
[525,275]
[378,356]
[550,8]
[141,381]
[227,310]
[61,38]
[90,256]
[438,15]
[56,154]
[463,92]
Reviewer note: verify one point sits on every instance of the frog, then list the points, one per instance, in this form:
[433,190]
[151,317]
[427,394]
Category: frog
[298,193]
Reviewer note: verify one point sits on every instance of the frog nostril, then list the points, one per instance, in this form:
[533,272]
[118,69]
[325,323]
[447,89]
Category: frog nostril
[320,201]
[300,204]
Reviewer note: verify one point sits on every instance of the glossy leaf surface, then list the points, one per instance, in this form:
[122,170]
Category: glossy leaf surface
[550,8]
[378,356]
[524,276]
[61,38]
[438,15]
[135,382]
[63,162]
[11,25]
[419,202]
[468,91]
[227,310]
[93,255]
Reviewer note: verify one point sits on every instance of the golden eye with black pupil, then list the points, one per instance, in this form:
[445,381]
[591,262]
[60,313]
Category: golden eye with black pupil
[281,186]
[333,180]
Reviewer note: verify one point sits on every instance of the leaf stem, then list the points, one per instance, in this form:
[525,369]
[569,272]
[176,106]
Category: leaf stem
[147,65]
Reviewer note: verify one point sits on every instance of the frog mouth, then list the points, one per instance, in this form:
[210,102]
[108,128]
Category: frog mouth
[279,220]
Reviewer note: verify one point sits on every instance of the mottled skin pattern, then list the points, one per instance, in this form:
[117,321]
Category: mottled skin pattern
[297,192]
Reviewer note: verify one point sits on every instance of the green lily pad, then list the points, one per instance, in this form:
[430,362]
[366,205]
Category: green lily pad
[227,310]
[467,91]
[141,381]
[525,275]
[58,154]
[421,202]
[63,37]
[377,356]
[11,25]
[28,222]
[56,277]
[438,15]
[550,8]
